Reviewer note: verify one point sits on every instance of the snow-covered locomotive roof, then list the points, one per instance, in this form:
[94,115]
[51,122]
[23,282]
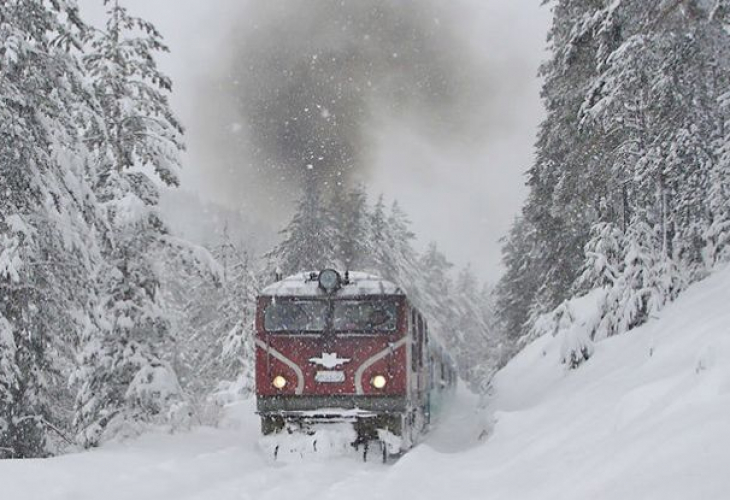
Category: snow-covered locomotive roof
[305,284]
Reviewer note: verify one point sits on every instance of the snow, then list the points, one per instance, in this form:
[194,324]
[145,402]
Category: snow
[640,419]
[360,284]
[196,254]
[325,441]
[646,417]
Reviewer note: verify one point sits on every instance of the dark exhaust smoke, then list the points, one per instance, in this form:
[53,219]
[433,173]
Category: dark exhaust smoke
[309,81]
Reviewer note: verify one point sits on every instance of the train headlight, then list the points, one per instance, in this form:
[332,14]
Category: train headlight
[379,381]
[329,280]
[279,382]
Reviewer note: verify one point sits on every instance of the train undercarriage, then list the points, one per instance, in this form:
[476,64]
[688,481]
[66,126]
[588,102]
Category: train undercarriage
[386,431]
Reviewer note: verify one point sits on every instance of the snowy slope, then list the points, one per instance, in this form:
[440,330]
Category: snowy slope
[648,416]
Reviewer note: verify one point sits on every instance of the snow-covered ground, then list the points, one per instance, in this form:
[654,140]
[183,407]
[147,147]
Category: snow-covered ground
[648,416]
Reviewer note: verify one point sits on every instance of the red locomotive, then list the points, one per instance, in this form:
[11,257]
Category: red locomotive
[347,348]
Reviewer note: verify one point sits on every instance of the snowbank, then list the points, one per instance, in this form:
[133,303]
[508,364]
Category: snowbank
[646,417]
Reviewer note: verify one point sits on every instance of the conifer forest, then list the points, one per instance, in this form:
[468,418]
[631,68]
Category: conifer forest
[118,322]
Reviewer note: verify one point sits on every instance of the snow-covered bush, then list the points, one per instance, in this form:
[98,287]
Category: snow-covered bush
[576,322]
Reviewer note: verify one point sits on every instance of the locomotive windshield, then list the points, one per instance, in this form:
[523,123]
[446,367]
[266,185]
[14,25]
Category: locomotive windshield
[318,316]
[297,316]
[364,316]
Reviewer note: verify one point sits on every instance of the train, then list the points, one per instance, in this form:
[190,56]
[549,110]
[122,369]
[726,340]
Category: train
[350,348]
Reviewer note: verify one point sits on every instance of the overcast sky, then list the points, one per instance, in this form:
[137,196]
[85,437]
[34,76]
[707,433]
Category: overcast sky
[462,193]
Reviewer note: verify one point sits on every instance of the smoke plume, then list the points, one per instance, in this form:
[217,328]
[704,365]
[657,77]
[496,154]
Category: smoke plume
[307,82]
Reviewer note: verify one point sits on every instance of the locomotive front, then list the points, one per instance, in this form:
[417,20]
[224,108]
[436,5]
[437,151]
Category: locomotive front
[334,348]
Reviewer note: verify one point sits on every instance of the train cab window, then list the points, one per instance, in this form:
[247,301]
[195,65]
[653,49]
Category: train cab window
[364,316]
[414,332]
[301,316]
[420,341]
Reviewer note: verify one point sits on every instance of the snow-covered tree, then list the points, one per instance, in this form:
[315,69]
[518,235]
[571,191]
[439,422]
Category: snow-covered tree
[573,322]
[434,294]
[233,329]
[309,239]
[604,257]
[649,279]
[400,262]
[376,259]
[216,331]
[48,245]
[718,232]
[124,381]
[626,193]
[517,289]
[470,339]
[349,213]
[138,126]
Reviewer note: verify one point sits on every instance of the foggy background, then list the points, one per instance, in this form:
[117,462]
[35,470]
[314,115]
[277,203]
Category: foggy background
[432,103]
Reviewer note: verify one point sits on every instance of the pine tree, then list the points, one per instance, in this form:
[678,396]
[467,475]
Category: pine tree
[470,338]
[219,344]
[633,133]
[543,252]
[138,126]
[500,349]
[657,95]
[400,263]
[233,331]
[377,255]
[517,289]
[349,213]
[649,279]
[124,381]
[434,293]
[718,232]
[309,240]
[604,257]
[47,217]
[561,203]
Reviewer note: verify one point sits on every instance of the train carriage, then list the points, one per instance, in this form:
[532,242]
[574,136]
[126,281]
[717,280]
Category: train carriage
[347,348]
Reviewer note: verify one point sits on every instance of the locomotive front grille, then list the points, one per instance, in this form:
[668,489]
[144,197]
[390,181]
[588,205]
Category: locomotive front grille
[285,404]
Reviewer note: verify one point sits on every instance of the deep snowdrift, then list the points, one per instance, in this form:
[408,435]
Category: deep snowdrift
[648,416]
